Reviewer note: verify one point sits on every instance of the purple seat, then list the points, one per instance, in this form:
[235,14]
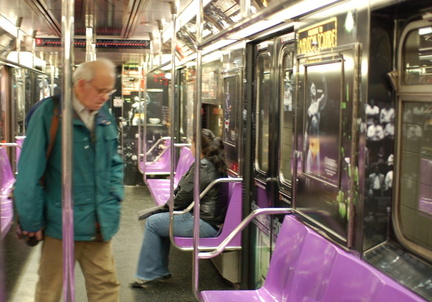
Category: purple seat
[7,180]
[314,271]
[163,165]
[232,220]
[306,267]
[369,283]
[160,188]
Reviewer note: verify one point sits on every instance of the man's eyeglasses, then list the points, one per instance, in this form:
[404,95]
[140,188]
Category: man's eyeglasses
[102,92]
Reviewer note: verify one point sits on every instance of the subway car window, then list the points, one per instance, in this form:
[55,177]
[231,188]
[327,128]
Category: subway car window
[414,200]
[19,98]
[263,109]
[416,170]
[287,117]
[417,55]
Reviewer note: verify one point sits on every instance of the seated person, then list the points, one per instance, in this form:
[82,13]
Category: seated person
[153,261]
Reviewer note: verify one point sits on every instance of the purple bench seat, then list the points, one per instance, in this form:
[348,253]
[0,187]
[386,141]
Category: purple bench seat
[162,165]
[232,220]
[160,188]
[305,267]
[7,180]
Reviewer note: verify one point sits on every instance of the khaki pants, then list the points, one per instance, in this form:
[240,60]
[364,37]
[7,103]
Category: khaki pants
[97,264]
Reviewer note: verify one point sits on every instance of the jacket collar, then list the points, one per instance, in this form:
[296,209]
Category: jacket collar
[102,117]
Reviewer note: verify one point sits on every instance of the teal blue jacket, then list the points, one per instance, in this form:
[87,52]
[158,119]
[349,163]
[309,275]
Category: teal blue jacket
[97,177]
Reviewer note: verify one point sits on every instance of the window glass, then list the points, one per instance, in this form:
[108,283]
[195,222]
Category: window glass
[417,56]
[287,116]
[263,110]
[230,108]
[416,170]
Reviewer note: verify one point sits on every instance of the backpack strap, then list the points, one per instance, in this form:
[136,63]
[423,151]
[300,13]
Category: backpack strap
[53,130]
[54,125]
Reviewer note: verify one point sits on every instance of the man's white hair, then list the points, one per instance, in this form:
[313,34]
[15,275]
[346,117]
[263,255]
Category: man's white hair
[86,70]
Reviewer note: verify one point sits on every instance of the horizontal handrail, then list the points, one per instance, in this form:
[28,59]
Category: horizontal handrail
[240,227]
[10,145]
[207,189]
[164,138]
[158,157]
[178,145]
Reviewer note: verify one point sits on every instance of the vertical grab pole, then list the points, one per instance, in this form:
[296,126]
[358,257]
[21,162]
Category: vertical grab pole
[173,6]
[142,112]
[197,120]
[68,231]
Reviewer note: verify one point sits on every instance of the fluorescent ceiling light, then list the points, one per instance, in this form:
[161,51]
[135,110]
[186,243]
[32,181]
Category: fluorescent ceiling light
[26,59]
[218,45]
[8,26]
[253,29]
[300,8]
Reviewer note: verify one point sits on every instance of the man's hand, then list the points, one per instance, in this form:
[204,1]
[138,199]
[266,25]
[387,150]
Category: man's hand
[31,238]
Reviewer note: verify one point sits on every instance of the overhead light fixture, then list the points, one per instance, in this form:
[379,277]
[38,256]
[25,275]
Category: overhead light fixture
[8,26]
[300,8]
[253,29]
[218,45]
[26,58]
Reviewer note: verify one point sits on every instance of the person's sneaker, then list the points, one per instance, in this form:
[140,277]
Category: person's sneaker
[143,283]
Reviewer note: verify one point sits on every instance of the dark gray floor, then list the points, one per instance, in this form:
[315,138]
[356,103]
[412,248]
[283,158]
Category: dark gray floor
[126,245]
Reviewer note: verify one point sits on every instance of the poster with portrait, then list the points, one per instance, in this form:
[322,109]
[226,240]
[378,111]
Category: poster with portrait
[322,92]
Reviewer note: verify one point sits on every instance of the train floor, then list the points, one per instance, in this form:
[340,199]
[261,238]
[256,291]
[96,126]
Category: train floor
[21,263]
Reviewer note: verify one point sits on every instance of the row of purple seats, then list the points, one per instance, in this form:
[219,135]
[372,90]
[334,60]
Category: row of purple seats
[305,267]
[162,163]
[232,220]
[160,188]
[7,181]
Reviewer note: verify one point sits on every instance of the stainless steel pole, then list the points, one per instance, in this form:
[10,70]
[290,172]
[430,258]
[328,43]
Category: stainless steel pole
[172,118]
[67,94]
[197,124]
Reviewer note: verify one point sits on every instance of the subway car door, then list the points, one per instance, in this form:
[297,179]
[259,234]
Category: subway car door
[327,99]
[286,116]
[412,215]
[264,100]
[233,60]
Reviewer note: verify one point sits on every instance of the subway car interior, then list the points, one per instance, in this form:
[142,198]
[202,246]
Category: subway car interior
[329,186]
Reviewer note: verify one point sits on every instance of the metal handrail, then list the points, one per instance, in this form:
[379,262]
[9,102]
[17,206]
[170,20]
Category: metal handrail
[164,138]
[157,158]
[178,145]
[211,254]
[241,226]
[10,145]
[190,207]
[153,147]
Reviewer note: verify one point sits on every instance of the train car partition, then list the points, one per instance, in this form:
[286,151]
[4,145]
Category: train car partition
[160,188]
[232,218]
[307,267]
[161,164]
[19,142]
[7,180]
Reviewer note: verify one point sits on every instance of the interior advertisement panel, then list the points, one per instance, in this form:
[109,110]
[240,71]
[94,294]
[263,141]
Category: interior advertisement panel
[324,138]
[327,88]
[322,129]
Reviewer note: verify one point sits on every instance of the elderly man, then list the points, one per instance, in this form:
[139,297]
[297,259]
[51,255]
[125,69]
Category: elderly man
[97,186]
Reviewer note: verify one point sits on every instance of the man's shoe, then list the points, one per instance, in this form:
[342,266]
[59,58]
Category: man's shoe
[139,283]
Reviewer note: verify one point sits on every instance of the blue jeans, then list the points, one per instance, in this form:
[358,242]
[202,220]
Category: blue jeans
[153,261]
